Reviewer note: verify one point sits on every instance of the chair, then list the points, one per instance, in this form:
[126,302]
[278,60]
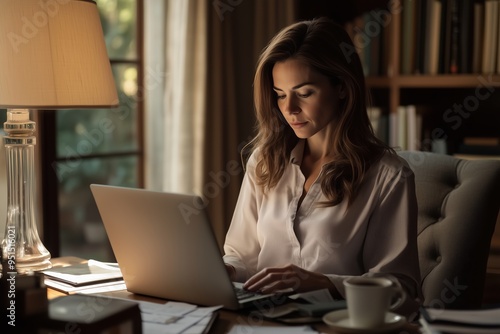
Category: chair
[458,204]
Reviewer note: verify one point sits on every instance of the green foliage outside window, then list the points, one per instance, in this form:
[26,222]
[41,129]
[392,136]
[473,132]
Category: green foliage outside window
[99,145]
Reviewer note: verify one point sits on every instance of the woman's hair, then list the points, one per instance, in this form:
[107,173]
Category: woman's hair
[327,48]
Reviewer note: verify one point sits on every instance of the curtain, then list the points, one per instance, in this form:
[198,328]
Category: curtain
[177,132]
[236,39]
[200,60]
[154,82]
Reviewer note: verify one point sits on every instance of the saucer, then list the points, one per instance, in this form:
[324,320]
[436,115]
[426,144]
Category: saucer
[339,320]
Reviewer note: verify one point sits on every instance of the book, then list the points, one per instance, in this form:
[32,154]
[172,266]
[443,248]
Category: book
[408,36]
[405,128]
[430,32]
[460,321]
[386,44]
[497,56]
[421,18]
[490,36]
[366,49]
[393,130]
[432,56]
[87,273]
[494,37]
[445,34]
[379,122]
[454,38]
[374,115]
[478,35]
[359,39]
[375,53]
[466,30]
[413,128]
[402,128]
[85,289]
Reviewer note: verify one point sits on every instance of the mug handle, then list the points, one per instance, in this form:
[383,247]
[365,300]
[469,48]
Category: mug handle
[397,289]
[400,294]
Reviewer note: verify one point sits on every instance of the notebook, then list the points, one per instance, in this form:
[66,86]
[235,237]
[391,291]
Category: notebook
[165,247]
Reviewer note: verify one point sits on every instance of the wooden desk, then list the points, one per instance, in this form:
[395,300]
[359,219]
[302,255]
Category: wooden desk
[226,319]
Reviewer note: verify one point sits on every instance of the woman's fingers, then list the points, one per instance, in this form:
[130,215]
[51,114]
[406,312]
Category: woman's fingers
[275,279]
[288,279]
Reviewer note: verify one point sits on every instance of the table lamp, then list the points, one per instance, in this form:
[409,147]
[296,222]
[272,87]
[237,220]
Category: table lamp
[52,56]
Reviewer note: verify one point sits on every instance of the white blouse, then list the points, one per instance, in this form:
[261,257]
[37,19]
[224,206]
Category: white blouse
[377,234]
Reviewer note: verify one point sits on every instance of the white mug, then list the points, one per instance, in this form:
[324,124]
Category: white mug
[369,299]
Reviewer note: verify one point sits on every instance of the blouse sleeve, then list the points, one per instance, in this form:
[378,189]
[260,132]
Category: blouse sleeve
[242,246]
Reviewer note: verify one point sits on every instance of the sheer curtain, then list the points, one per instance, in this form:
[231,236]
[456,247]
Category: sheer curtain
[175,70]
[200,58]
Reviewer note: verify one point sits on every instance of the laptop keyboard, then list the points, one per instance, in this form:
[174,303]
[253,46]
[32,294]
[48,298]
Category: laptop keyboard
[244,294]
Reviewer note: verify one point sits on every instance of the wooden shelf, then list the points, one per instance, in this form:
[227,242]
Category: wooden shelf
[379,82]
[435,81]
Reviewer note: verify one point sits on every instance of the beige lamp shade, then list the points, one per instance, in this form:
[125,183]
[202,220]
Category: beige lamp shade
[53,56]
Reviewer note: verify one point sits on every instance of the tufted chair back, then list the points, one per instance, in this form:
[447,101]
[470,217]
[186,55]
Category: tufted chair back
[458,204]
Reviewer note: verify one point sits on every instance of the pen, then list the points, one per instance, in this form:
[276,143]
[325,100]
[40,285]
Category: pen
[424,322]
[424,314]
[425,329]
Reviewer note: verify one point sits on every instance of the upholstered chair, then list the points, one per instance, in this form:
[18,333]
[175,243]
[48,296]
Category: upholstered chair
[458,204]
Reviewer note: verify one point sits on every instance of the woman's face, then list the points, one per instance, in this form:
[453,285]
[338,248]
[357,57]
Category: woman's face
[307,99]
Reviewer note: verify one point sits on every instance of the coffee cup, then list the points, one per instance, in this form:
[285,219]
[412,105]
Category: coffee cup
[370,298]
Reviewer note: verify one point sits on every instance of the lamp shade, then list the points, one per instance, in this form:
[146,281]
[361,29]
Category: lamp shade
[53,56]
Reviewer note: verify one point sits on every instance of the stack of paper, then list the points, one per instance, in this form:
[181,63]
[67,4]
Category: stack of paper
[91,277]
[238,329]
[176,317]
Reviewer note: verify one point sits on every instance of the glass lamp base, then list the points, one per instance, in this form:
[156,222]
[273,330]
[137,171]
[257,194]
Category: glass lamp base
[28,265]
[21,246]
[21,257]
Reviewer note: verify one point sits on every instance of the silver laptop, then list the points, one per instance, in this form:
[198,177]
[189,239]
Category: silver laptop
[166,248]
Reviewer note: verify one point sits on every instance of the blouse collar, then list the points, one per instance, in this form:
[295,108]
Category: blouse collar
[297,152]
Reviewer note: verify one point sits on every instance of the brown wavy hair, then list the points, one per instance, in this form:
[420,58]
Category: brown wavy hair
[327,48]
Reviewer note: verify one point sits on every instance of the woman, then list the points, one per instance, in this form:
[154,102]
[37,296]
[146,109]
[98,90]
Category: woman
[322,198]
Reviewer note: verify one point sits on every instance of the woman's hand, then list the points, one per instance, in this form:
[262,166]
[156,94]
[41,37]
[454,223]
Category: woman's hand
[290,279]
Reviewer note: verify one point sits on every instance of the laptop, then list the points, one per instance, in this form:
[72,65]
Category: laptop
[166,248]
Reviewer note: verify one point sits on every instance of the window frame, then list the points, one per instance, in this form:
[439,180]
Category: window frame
[47,147]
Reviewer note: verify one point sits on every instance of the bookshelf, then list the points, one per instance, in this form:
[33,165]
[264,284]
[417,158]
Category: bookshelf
[395,86]
[432,79]
[473,82]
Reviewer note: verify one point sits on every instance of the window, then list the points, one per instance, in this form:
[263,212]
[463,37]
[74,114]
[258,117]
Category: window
[81,147]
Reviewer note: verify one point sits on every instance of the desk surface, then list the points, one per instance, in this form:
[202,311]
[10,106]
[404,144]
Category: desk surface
[226,319]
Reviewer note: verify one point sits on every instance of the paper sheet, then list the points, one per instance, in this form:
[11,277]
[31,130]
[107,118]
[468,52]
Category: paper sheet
[239,329]
[175,317]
